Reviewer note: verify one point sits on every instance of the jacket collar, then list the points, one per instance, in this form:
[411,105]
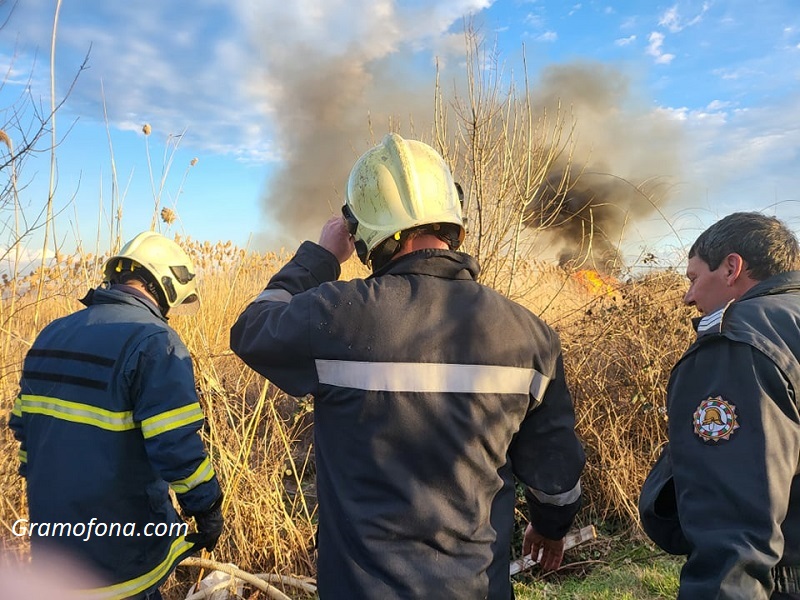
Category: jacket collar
[438,263]
[121,294]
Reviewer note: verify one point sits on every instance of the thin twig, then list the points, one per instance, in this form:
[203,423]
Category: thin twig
[256,581]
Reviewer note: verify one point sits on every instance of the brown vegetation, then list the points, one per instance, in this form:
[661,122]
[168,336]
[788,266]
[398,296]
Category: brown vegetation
[618,353]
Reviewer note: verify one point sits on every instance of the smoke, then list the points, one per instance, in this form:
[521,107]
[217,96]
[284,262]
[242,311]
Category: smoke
[323,124]
[339,75]
[625,158]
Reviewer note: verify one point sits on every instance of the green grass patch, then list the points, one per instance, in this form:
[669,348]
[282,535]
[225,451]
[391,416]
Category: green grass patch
[606,569]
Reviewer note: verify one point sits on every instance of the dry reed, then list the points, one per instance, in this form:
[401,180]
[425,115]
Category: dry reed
[618,351]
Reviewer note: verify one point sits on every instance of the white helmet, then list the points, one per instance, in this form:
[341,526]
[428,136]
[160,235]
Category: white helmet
[399,185]
[169,270]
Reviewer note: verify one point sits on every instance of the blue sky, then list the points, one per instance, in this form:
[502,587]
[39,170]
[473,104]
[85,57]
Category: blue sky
[273,100]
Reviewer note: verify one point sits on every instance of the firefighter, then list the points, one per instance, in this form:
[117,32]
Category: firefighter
[108,420]
[431,392]
[725,490]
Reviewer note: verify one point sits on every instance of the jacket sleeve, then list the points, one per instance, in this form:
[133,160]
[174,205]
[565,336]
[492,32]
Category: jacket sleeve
[733,493]
[17,425]
[165,404]
[548,458]
[272,335]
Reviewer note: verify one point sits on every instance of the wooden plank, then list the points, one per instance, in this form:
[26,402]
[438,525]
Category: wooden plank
[571,540]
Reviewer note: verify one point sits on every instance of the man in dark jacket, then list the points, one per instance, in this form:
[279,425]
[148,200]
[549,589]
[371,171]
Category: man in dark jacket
[726,492]
[108,421]
[431,392]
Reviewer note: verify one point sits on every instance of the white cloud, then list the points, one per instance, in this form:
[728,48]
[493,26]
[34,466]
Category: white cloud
[625,41]
[206,76]
[535,20]
[656,40]
[675,114]
[22,259]
[575,8]
[742,158]
[717,105]
[548,36]
[671,18]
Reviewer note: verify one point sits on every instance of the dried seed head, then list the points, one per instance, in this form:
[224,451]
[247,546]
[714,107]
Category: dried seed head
[168,215]
[193,162]
[146,129]
[7,140]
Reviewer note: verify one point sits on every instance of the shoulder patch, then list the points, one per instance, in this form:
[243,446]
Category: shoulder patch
[715,419]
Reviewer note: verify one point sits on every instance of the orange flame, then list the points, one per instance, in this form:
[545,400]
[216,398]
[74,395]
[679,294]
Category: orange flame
[595,283]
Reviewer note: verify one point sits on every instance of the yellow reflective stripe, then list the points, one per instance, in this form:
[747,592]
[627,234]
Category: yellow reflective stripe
[17,410]
[430,377]
[126,589]
[171,419]
[23,456]
[79,413]
[202,473]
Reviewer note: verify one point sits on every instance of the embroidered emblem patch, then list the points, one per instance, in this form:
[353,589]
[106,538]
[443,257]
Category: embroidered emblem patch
[715,419]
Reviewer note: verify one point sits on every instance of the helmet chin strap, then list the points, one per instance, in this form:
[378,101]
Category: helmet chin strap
[385,251]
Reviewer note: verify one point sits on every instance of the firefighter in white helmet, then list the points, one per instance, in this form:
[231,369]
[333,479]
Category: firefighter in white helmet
[108,420]
[431,392]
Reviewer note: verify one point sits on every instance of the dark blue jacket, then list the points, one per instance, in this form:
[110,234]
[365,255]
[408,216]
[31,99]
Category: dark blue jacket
[431,392]
[108,420]
[726,491]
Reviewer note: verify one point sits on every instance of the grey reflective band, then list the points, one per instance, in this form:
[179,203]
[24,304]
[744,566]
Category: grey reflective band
[431,377]
[711,321]
[539,385]
[275,295]
[558,499]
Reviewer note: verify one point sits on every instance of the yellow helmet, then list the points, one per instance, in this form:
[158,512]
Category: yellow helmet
[399,185]
[171,272]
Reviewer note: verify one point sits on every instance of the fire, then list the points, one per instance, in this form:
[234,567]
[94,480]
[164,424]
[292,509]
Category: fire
[597,284]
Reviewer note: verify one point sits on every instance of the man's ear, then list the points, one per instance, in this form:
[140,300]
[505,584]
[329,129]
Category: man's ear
[734,266]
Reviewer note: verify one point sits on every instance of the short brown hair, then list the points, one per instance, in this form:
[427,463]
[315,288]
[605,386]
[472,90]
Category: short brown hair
[765,243]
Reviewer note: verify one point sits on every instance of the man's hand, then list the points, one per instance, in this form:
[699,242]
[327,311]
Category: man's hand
[552,550]
[209,526]
[336,239]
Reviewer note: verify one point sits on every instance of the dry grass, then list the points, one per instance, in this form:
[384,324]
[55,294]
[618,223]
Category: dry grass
[618,357]
[619,348]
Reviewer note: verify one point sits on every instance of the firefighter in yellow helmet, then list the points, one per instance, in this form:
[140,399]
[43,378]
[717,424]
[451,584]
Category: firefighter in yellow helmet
[431,392]
[159,265]
[401,187]
[108,420]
